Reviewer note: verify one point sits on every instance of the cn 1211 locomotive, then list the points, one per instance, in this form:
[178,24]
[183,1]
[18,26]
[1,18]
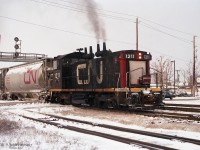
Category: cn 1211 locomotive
[111,79]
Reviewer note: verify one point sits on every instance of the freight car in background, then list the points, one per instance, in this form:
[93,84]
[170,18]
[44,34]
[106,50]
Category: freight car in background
[111,79]
[26,80]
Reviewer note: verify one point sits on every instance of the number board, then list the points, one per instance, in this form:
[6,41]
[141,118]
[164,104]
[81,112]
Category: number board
[129,56]
[137,57]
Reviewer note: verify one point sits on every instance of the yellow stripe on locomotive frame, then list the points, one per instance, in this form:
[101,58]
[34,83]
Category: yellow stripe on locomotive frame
[134,90]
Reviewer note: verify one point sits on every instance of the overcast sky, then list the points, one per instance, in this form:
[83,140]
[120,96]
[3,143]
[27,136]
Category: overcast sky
[55,27]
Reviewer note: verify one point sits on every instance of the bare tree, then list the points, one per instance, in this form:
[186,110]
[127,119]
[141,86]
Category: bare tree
[189,74]
[184,74]
[163,68]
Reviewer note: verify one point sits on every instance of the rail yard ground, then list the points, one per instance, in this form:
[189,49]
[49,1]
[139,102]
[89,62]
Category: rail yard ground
[17,132]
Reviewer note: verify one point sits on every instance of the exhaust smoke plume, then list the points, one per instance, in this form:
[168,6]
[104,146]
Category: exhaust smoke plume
[94,19]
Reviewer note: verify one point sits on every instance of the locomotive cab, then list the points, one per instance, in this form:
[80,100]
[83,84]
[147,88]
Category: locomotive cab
[134,69]
[135,79]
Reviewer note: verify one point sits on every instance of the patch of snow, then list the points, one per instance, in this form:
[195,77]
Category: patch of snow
[25,134]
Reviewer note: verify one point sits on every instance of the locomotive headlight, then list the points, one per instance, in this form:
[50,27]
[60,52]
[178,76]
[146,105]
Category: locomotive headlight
[140,56]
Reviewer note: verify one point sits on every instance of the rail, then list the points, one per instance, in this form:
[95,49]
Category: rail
[135,131]
[100,134]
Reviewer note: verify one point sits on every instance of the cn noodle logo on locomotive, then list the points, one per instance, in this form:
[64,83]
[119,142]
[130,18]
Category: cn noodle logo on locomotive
[85,68]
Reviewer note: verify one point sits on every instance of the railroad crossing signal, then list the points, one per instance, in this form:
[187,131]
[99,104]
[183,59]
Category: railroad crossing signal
[17,56]
[17,46]
[16,39]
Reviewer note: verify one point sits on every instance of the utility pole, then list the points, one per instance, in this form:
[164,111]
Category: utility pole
[194,66]
[174,76]
[137,33]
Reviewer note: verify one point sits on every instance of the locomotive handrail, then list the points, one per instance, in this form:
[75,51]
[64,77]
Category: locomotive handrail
[156,75]
[118,82]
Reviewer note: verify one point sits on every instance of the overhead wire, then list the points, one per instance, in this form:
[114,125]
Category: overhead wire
[130,15]
[54,4]
[89,36]
[62,30]
[165,54]
[104,15]
[126,19]
[153,28]
[143,21]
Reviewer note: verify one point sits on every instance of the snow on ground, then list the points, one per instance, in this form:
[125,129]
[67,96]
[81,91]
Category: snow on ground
[19,133]
[10,101]
[184,100]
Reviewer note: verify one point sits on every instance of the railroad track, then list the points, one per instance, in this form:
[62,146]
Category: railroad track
[104,135]
[152,113]
[175,115]
[184,116]
[157,113]
[21,102]
[27,106]
[187,109]
[141,132]
[182,107]
[53,121]
[139,112]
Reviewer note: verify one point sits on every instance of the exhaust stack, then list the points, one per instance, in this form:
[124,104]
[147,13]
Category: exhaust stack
[88,55]
[85,50]
[103,52]
[98,48]
[91,52]
[98,53]
[104,46]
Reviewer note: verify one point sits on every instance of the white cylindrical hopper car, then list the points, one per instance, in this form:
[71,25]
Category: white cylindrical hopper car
[28,78]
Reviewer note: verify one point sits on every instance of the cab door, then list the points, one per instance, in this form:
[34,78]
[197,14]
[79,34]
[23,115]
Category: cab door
[137,69]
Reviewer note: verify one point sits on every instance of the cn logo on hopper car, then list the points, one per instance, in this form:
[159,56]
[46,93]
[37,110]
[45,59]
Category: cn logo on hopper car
[30,76]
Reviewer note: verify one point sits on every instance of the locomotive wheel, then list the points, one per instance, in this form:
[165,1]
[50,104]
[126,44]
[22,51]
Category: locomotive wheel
[4,96]
[58,100]
[112,104]
[13,97]
[53,99]
[91,102]
[67,100]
